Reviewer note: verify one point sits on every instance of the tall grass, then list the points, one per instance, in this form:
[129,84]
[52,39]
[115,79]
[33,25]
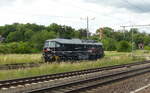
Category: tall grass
[19,58]
[111,58]
[115,53]
[65,67]
[28,58]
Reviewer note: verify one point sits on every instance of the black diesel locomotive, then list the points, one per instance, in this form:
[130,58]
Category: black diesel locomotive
[72,49]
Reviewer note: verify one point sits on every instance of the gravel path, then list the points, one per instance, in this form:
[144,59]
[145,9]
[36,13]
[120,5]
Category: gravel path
[125,86]
[145,89]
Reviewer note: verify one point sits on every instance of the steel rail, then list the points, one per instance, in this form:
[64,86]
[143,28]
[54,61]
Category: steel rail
[82,85]
[28,80]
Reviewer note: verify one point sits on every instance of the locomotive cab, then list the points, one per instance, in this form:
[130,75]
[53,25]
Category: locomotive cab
[51,44]
[50,50]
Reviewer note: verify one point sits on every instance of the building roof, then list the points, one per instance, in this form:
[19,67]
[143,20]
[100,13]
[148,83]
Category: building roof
[75,41]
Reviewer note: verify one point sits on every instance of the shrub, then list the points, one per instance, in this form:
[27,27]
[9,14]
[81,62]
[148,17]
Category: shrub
[16,47]
[109,44]
[4,49]
[147,47]
[124,46]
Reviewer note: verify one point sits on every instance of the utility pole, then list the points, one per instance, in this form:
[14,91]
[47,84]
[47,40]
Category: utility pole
[123,31]
[87,33]
[132,32]
[87,25]
[132,41]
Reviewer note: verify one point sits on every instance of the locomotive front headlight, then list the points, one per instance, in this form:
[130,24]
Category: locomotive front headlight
[44,50]
[48,49]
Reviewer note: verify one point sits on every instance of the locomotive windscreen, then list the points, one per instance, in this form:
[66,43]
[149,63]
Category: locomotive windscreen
[51,44]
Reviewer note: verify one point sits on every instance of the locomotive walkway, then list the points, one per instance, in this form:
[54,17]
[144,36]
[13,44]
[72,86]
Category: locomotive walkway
[74,81]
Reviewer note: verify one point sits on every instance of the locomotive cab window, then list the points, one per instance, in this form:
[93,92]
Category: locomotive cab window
[51,44]
[46,44]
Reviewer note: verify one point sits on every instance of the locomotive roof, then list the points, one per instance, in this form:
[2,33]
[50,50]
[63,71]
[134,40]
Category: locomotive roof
[74,41]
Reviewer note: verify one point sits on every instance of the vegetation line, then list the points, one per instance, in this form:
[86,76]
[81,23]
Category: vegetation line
[29,38]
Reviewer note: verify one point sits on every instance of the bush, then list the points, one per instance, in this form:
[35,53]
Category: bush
[17,47]
[109,44]
[124,46]
[147,47]
[4,49]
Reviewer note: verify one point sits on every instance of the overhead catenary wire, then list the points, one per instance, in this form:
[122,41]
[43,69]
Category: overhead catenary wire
[75,18]
[132,33]
[72,18]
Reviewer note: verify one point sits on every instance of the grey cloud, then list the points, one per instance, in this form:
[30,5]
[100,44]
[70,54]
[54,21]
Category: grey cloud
[138,6]
[6,2]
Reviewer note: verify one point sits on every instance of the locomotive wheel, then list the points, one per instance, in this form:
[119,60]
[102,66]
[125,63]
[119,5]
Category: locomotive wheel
[57,58]
[47,59]
[92,57]
[75,58]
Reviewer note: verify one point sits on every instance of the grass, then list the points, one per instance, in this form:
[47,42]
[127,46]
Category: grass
[115,53]
[65,67]
[137,53]
[142,54]
[19,58]
[29,58]
[111,58]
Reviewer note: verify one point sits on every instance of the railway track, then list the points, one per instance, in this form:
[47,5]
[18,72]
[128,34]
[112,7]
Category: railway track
[23,81]
[19,65]
[89,83]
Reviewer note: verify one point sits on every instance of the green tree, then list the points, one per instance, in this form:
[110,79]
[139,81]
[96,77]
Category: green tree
[82,33]
[34,27]
[147,39]
[39,38]
[15,36]
[124,46]
[109,44]
[95,37]
[107,32]
[28,34]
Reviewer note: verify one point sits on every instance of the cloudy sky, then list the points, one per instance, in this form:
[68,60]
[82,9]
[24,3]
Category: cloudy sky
[112,13]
